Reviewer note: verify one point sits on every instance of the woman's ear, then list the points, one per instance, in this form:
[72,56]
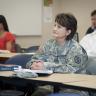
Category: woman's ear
[68,33]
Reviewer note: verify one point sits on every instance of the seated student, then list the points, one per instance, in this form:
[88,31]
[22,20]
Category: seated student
[7,39]
[88,43]
[62,53]
[92,28]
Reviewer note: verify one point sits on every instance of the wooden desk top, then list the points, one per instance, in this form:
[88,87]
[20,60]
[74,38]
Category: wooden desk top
[62,78]
[89,83]
[7,55]
[82,80]
[6,73]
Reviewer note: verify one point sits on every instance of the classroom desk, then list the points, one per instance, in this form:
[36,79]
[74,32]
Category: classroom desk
[5,56]
[8,55]
[75,81]
[89,83]
[56,77]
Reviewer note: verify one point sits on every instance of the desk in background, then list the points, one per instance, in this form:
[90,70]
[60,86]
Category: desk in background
[5,56]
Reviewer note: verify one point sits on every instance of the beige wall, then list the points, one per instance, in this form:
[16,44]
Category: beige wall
[26,41]
[80,8]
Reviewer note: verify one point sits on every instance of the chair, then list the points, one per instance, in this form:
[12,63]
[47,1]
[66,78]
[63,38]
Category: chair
[91,70]
[64,94]
[32,49]
[11,93]
[18,48]
[20,59]
[76,37]
[91,66]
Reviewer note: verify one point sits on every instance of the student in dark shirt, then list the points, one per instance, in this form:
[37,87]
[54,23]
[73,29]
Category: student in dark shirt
[92,28]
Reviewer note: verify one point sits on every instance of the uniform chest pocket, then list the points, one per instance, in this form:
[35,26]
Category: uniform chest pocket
[61,59]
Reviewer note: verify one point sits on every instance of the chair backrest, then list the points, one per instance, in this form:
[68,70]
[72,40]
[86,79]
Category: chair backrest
[83,68]
[91,66]
[76,37]
[11,93]
[21,60]
[32,49]
[18,48]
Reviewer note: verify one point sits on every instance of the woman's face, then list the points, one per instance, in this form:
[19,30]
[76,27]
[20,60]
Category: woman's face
[93,20]
[60,32]
[1,27]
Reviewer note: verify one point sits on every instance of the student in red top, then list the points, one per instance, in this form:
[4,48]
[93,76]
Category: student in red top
[7,39]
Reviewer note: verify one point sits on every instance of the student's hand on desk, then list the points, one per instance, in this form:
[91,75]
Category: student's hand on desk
[38,65]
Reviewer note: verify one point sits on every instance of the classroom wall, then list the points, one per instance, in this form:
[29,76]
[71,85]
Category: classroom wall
[26,41]
[80,8]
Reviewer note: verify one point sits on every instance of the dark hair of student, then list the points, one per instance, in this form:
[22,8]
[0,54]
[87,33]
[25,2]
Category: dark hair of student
[93,13]
[68,21]
[4,22]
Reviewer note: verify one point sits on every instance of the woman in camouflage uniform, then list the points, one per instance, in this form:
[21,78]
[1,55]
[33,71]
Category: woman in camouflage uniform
[62,53]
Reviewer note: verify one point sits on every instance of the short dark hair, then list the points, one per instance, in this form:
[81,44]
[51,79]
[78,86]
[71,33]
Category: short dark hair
[69,21]
[4,22]
[93,13]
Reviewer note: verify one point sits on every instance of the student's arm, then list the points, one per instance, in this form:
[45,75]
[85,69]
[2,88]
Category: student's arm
[10,42]
[40,55]
[9,46]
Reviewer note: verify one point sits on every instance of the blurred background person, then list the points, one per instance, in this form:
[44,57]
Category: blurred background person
[7,39]
[92,28]
[88,43]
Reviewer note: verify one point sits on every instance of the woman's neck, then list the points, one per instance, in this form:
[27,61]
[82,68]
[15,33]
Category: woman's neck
[61,41]
[1,33]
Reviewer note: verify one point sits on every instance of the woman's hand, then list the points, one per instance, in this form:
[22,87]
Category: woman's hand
[38,65]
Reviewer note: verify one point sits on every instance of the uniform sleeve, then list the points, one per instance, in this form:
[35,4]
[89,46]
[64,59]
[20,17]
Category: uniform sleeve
[39,55]
[75,62]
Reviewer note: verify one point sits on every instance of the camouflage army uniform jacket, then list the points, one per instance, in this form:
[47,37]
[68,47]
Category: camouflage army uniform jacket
[67,58]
